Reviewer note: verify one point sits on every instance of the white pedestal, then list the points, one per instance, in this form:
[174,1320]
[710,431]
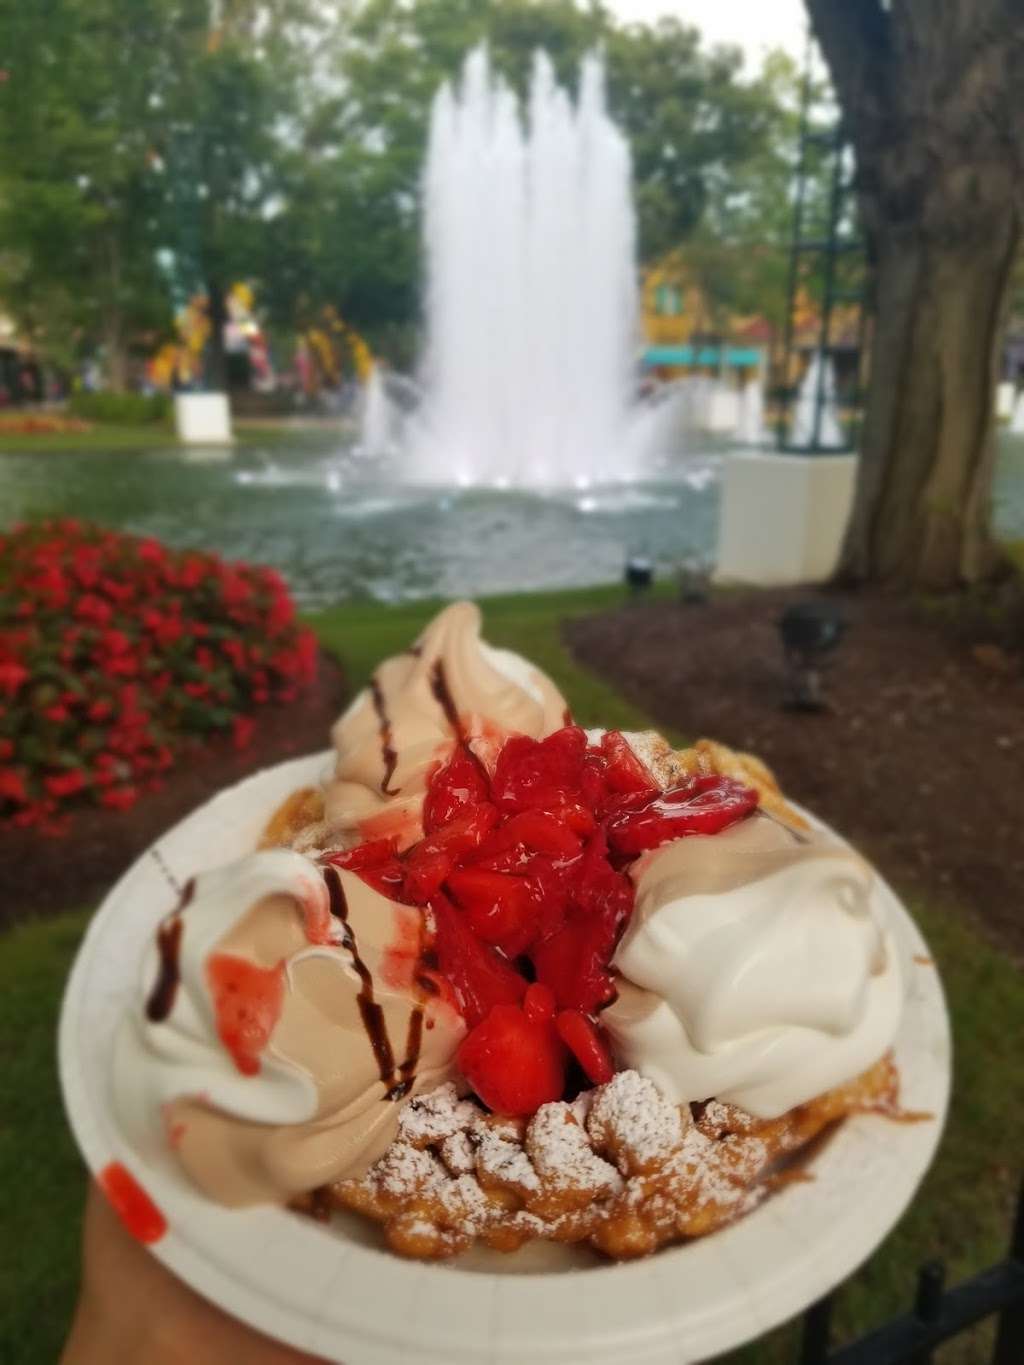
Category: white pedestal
[203,418]
[1005,397]
[783,517]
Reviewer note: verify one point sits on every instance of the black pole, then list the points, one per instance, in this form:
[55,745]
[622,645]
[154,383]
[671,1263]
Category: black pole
[798,232]
[817,1333]
[829,287]
[1009,1347]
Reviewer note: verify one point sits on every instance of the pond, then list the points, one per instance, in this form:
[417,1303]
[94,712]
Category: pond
[305,503]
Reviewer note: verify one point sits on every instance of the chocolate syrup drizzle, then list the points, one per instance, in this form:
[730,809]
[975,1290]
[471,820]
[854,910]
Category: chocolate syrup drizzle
[168,941]
[388,751]
[371,1013]
[398,1081]
[443,696]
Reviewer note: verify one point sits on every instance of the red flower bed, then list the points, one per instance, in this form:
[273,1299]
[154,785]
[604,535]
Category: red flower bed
[115,651]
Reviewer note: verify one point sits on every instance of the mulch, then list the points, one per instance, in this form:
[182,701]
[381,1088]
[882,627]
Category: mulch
[919,759]
[42,875]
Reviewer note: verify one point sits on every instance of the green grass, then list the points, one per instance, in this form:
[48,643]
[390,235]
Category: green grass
[962,1213]
[106,436]
[364,633]
[41,1174]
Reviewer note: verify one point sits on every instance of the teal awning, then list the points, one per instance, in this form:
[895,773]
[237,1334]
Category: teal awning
[705,355]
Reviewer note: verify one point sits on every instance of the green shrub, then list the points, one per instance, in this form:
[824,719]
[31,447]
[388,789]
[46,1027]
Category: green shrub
[122,409]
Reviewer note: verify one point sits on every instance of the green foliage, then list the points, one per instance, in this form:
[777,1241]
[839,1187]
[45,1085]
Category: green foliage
[145,153]
[120,409]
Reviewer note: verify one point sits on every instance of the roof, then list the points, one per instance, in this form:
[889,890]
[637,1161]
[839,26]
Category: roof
[702,355]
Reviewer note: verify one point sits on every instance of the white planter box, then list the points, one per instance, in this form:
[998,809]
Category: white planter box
[203,418]
[783,517]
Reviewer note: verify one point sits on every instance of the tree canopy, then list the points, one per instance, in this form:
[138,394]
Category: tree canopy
[152,147]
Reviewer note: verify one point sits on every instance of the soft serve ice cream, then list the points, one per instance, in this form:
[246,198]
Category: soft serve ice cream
[450,684]
[281,1014]
[757,968]
[498,898]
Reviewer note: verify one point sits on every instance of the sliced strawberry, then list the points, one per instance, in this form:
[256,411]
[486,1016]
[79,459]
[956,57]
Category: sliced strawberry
[387,878]
[539,1002]
[498,908]
[514,1063]
[459,783]
[571,962]
[531,774]
[537,830]
[426,871]
[705,807]
[480,976]
[371,854]
[583,1039]
[465,833]
[623,770]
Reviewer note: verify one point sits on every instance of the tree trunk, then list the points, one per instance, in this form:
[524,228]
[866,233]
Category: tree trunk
[114,348]
[215,368]
[922,511]
[930,98]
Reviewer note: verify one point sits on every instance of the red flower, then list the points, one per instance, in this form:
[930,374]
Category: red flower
[65,784]
[93,609]
[57,712]
[12,785]
[119,798]
[241,731]
[12,676]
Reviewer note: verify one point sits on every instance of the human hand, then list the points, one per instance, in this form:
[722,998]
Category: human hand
[131,1308]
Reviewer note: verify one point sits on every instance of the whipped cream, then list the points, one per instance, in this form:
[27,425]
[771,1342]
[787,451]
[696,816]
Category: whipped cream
[757,968]
[320,1101]
[451,684]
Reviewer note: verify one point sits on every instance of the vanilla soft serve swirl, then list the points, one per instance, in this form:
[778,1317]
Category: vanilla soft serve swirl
[318,1107]
[418,702]
[758,968]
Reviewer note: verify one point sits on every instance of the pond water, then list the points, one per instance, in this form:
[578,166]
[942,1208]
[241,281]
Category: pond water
[306,504]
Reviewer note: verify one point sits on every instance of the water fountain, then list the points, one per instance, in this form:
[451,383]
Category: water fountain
[751,429]
[531,289]
[377,418]
[820,375]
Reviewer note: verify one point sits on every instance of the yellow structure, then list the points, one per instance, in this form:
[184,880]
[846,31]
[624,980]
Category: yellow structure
[672,306]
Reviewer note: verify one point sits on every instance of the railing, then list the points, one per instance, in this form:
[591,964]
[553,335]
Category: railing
[938,1315]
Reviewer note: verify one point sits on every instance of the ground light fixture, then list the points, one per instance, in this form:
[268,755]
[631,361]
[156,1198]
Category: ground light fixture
[638,574]
[693,576]
[810,632]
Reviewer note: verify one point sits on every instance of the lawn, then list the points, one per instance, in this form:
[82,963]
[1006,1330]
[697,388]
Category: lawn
[961,1215]
[105,436]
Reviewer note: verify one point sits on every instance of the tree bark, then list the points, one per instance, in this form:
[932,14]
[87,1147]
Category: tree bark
[922,512]
[215,368]
[930,102]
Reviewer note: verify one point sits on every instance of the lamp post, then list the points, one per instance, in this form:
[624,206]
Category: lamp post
[810,632]
[638,574]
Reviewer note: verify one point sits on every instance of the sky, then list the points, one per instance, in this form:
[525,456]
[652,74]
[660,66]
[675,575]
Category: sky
[753,25]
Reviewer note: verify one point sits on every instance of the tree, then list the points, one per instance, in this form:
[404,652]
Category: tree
[931,97]
[76,195]
[695,124]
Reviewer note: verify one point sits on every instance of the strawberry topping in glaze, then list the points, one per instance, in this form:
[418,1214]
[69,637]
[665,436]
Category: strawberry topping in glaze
[522,874]
[247,1001]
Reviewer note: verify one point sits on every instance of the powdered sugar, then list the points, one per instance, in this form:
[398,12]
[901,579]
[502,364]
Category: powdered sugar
[562,1153]
[437,1115]
[628,1114]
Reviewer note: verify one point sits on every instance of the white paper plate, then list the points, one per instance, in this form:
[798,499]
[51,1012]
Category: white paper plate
[330,1290]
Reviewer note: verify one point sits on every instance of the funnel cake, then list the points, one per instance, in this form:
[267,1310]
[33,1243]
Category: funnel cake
[525,981]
